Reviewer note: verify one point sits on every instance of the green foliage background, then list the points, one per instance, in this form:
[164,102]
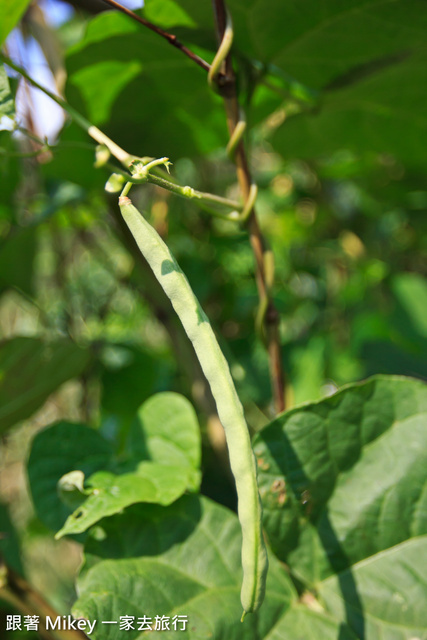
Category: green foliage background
[334,94]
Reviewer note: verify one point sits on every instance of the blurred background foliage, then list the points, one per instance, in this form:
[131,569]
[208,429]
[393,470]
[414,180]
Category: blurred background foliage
[337,146]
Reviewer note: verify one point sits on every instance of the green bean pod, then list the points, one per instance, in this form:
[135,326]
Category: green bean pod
[230,410]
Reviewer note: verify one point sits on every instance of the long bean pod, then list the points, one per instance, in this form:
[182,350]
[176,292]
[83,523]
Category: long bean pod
[230,411]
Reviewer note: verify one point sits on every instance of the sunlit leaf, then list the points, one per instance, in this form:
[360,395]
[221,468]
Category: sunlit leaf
[11,12]
[343,479]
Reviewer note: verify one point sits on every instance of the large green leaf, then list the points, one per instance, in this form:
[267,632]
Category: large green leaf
[320,42]
[7,106]
[384,596]
[11,12]
[30,370]
[182,560]
[366,58]
[343,479]
[381,113]
[157,468]
[302,623]
[185,560]
[166,431]
[369,59]
[311,41]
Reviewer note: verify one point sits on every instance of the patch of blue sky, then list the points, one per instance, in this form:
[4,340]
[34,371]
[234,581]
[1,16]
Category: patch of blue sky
[47,116]
[58,12]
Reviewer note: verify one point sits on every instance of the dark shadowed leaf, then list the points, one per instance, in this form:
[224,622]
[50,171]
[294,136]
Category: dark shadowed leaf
[60,449]
[30,370]
[380,113]
[366,60]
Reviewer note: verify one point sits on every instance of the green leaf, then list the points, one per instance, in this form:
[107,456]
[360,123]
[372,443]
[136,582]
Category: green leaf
[166,431]
[301,623]
[383,596]
[58,450]
[98,95]
[30,370]
[187,13]
[180,560]
[11,12]
[7,105]
[320,43]
[161,463]
[110,493]
[365,60]
[316,43]
[380,113]
[343,479]
[136,374]
[127,104]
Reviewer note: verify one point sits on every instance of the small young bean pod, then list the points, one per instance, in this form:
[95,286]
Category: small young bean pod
[230,411]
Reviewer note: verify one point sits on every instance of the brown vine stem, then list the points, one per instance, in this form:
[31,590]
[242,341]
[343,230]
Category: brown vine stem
[227,88]
[170,37]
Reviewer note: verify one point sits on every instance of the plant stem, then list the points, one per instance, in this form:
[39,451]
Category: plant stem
[227,89]
[193,194]
[95,133]
[172,39]
[204,199]
[126,159]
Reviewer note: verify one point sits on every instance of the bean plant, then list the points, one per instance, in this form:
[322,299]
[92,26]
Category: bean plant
[232,442]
